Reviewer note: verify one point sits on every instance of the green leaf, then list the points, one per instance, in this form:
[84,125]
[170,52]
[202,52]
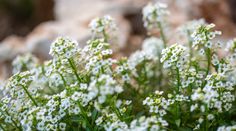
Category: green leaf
[177,122]
[94,115]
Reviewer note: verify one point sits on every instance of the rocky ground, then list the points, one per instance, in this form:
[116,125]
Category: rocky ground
[71,18]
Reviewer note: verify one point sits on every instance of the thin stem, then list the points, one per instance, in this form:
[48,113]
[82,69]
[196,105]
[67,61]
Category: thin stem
[206,121]
[178,80]
[145,72]
[74,69]
[208,53]
[94,118]
[105,36]
[85,116]
[2,127]
[177,92]
[43,72]
[29,95]
[63,79]
[162,34]
[161,75]
[116,110]
[190,92]
[163,37]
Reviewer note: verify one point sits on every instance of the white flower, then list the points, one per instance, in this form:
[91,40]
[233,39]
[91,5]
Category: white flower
[62,126]
[175,55]
[83,86]
[203,34]
[153,13]
[193,107]
[152,48]
[63,48]
[40,126]
[210,117]
[136,58]
[103,26]
[162,112]
[191,26]
[99,120]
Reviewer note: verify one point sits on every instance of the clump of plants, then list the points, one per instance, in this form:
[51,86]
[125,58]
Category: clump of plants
[188,85]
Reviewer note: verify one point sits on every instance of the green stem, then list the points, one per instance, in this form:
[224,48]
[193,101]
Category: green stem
[206,121]
[162,34]
[43,72]
[177,92]
[74,69]
[208,53]
[29,95]
[2,127]
[163,37]
[94,118]
[178,80]
[85,116]
[63,79]
[145,72]
[105,36]
[115,109]
[160,76]
[190,103]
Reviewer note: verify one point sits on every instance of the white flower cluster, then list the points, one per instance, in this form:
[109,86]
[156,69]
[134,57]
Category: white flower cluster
[150,123]
[103,27]
[216,94]
[25,62]
[151,50]
[159,87]
[63,48]
[20,101]
[189,27]
[227,128]
[203,36]
[149,56]
[158,104]
[174,56]
[28,105]
[143,123]
[231,45]
[154,13]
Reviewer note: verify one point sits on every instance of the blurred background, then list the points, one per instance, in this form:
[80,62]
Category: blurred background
[31,25]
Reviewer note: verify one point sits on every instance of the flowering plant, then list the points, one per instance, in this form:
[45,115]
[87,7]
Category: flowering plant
[163,86]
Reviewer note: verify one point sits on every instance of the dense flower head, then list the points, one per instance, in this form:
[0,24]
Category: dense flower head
[22,78]
[152,47]
[227,128]
[63,47]
[189,27]
[154,13]
[103,26]
[175,55]
[231,45]
[151,50]
[25,62]
[151,123]
[203,34]
[136,58]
